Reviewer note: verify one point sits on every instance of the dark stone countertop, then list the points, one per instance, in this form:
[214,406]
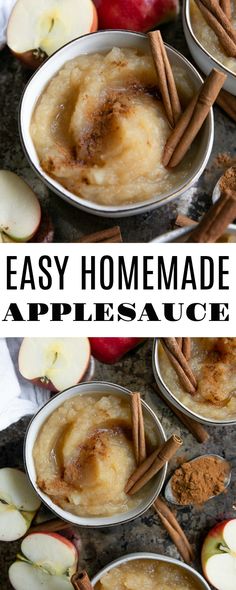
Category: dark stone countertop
[100,546]
[70,223]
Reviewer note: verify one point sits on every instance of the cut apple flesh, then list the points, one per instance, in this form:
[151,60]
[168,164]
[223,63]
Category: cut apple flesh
[60,361]
[20,211]
[49,24]
[24,576]
[50,551]
[16,490]
[221,571]
[13,525]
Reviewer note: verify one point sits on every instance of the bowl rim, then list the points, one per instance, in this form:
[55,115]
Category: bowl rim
[182,231]
[174,400]
[85,204]
[187,22]
[107,521]
[149,555]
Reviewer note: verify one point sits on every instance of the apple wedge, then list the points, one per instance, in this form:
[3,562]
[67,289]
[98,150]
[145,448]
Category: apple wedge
[47,562]
[55,363]
[18,504]
[20,211]
[219,555]
[37,29]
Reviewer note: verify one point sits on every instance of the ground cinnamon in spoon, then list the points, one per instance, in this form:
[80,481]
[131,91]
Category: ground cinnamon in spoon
[196,481]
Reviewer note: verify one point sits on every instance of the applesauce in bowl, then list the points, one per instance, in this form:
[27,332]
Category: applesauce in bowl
[213,362]
[100,128]
[207,37]
[79,455]
[93,125]
[148,571]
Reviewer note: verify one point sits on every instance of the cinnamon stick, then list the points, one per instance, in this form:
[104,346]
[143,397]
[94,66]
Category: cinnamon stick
[174,529]
[180,364]
[226,7]
[138,428]
[227,102]
[192,425]
[153,464]
[186,348]
[81,581]
[220,24]
[179,342]
[192,119]
[216,220]
[110,235]
[50,526]
[166,79]
[184,221]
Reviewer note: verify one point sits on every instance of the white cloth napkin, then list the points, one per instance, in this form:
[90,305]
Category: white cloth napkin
[6,7]
[18,397]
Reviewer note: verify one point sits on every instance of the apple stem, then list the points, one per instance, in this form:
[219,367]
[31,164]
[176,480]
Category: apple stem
[224,548]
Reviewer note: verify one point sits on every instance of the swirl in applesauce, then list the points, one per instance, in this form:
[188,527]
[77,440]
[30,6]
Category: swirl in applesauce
[99,128]
[84,455]
[147,574]
[208,39]
[213,361]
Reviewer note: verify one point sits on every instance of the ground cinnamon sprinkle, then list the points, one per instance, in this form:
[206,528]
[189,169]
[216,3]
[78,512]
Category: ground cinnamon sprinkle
[195,482]
[228,180]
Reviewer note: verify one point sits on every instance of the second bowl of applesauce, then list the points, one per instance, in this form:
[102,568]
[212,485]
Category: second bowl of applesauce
[213,363]
[79,455]
[94,127]
[148,571]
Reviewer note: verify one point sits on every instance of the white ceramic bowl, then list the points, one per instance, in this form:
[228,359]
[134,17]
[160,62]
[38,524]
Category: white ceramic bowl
[169,395]
[94,387]
[100,42]
[201,56]
[182,233]
[202,584]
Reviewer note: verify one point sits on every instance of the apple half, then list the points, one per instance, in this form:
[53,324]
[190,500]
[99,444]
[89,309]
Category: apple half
[54,363]
[20,211]
[18,504]
[47,562]
[219,555]
[37,29]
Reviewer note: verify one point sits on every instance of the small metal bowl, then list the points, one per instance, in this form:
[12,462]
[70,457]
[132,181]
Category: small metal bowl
[201,583]
[169,395]
[181,234]
[201,56]
[100,42]
[92,388]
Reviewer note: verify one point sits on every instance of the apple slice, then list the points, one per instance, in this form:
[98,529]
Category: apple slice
[219,555]
[111,350]
[18,504]
[55,363]
[20,211]
[47,562]
[38,29]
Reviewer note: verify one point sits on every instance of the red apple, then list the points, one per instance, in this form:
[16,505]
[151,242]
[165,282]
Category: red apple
[111,350]
[136,15]
[47,562]
[37,29]
[219,555]
[54,363]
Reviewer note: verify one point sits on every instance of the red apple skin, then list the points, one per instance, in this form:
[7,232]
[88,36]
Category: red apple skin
[111,350]
[135,15]
[211,542]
